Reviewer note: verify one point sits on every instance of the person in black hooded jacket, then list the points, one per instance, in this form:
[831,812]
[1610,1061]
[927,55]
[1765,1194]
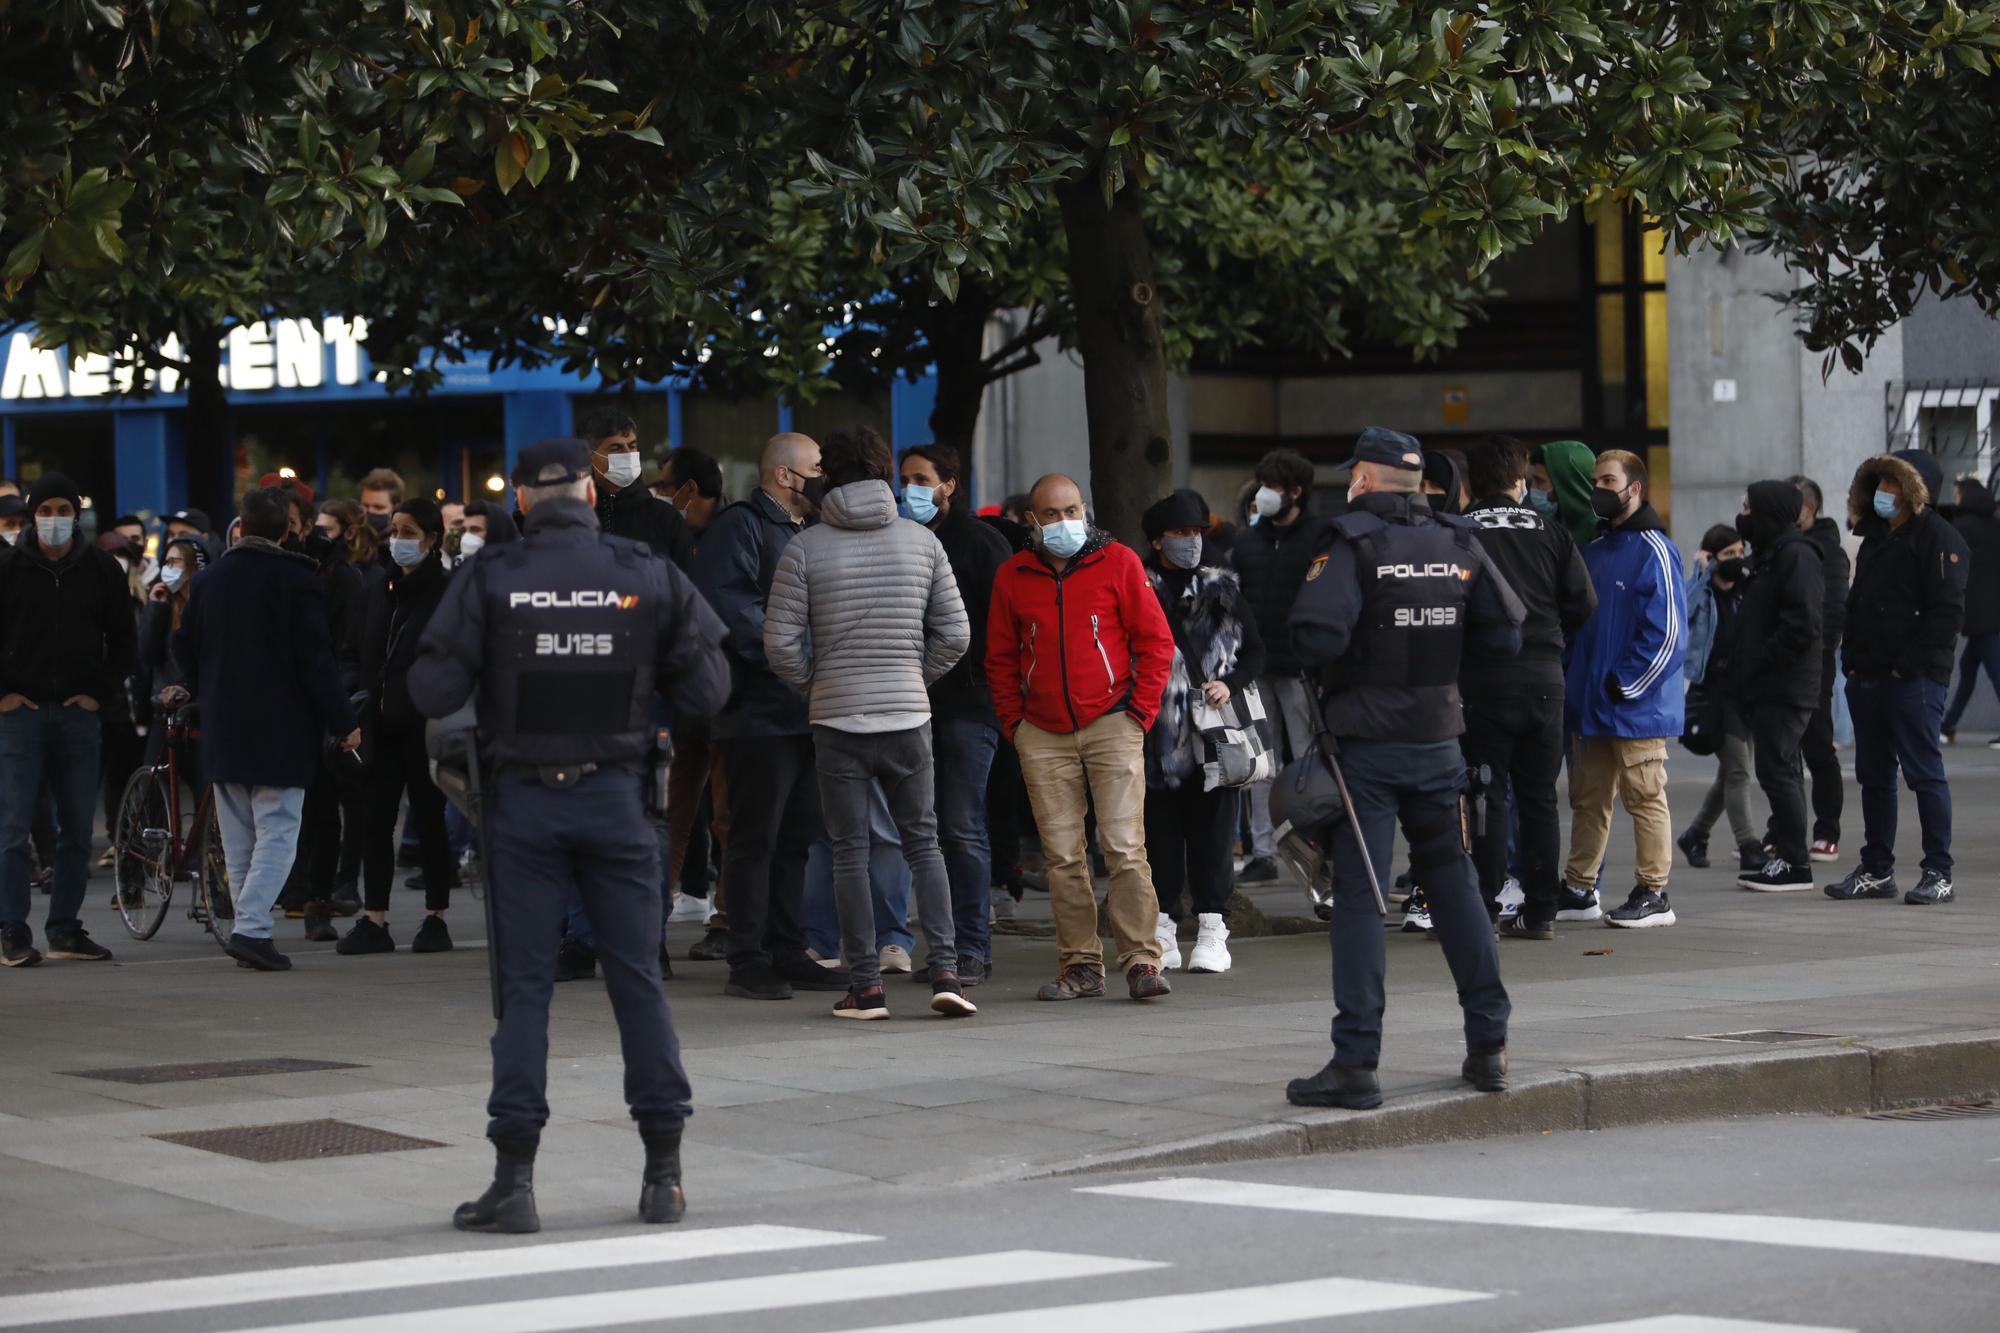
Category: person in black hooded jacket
[396,621]
[1777,670]
[1822,758]
[1976,523]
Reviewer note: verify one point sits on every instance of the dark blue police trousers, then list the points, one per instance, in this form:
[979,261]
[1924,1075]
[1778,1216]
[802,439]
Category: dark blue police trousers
[593,837]
[1421,785]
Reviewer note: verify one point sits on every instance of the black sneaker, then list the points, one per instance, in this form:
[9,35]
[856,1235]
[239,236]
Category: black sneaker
[972,971]
[1258,870]
[575,960]
[1779,876]
[1578,904]
[319,923]
[1337,1085]
[712,947]
[1751,856]
[364,936]
[1519,927]
[1932,888]
[1694,849]
[71,942]
[431,937]
[258,955]
[948,998]
[1485,1070]
[17,947]
[1861,883]
[1643,909]
[757,980]
[862,1004]
[343,906]
[805,974]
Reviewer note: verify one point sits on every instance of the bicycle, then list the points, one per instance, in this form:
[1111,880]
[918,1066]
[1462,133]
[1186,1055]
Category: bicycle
[155,848]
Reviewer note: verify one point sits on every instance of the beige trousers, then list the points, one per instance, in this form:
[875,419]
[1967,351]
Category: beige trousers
[1107,761]
[1635,772]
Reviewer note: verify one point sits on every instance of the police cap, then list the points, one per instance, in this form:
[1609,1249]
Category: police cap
[1390,448]
[552,461]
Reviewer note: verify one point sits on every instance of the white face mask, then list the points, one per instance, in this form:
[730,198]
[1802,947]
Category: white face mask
[1267,502]
[11,537]
[621,470]
[469,544]
[172,576]
[54,531]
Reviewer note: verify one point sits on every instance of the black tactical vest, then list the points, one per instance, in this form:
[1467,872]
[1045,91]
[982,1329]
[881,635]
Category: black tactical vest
[1399,680]
[570,636]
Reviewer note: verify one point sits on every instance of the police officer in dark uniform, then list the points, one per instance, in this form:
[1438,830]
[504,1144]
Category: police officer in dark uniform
[1384,615]
[567,636]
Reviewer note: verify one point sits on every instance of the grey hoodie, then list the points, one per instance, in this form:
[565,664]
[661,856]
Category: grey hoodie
[864,613]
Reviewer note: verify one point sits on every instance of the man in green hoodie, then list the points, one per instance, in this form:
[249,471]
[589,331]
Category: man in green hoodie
[1569,464]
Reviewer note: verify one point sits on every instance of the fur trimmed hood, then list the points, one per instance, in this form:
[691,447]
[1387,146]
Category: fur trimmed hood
[1893,467]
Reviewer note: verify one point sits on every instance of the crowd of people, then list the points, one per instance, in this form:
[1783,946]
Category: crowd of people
[915,686]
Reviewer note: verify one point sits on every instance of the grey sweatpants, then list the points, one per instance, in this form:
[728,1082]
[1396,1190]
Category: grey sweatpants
[901,761]
[1731,788]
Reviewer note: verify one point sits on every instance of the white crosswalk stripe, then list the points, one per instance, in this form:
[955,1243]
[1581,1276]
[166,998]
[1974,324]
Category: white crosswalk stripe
[1812,1233]
[694,1300]
[198,1293]
[1690,1323]
[1205,1311]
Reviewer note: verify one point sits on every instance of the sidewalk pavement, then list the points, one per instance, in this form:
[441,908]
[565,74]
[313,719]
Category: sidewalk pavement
[796,1111]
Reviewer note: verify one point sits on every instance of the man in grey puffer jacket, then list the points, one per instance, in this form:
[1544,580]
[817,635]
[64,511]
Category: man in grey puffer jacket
[864,615]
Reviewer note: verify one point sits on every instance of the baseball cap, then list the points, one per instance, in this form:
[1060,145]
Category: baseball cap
[1390,448]
[552,461]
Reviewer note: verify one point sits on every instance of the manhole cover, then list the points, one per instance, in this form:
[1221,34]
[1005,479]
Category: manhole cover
[191,1073]
[1766,1036]
[1948,1111]
[296,1141]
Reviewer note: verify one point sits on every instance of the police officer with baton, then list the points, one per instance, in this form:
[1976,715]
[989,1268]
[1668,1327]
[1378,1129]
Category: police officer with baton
[566,637]
[1384,613]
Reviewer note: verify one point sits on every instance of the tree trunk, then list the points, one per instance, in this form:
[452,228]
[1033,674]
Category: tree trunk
[1124,361]
[211,457]
[957,335]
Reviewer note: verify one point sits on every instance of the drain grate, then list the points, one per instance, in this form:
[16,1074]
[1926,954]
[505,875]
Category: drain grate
[296,1141]
[1947,1111]
[1766,1036]
[193,1073]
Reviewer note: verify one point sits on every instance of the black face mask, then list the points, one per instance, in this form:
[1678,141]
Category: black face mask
[1607,505]
[317,545]
[1733,569]
[379,522]
[813,489]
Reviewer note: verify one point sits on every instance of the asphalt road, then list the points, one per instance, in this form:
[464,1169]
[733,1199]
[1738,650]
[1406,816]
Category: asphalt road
[1735,1227]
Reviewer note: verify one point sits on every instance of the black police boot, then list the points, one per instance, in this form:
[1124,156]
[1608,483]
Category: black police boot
[1336,1085]
[508,1206]
[660,1195]
[1485,1070]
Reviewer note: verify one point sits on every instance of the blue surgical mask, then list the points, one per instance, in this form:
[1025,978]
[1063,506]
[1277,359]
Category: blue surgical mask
[55,531]
[407,552]
[1885,505]
[921,501]
[1064,538]
[1182,552]
[1542,503]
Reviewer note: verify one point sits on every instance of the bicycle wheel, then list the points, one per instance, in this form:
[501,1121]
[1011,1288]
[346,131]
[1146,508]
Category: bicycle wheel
[211,874]
[142,845]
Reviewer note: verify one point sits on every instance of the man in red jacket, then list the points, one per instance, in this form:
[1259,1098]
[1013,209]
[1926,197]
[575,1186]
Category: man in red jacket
[1077,652]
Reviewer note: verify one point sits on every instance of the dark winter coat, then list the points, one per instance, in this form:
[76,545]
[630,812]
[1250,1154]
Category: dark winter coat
[976,551]
[396,620]
[733,569]
[1981,530]
[1215,638]
[1907,602]
[1777,658]
[1834,570]
[637,514]
[255,652]
[1541,563]
[1271,561]
[66,626]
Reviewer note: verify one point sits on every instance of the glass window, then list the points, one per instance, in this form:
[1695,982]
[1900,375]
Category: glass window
[1610,237]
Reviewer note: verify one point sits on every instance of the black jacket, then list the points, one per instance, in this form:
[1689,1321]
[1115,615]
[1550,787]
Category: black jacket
[1540,562]
[637,514]
[739,553]
[66,626]
[1907,602]
[254,647]
[1272,561]
[1981,530]
[976,551]
[1777,654]
[396,620]
[1834,570]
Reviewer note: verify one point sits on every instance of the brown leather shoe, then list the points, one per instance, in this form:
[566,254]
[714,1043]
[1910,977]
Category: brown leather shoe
[1078,981]
[1146,982]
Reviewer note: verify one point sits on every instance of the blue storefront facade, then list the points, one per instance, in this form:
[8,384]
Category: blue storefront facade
[302,395]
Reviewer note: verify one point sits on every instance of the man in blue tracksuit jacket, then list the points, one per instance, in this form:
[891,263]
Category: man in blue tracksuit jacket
[1624,692]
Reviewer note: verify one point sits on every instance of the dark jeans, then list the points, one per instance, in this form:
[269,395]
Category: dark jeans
[1518,734]
[319,845]
[1896,726]
[1982,651]
[1007,814]
[1776,733]
[593,838]
[1188,837]
[1422,786]
[402,763]
[772,787]
[56,748]
[1823,759]
[901,761]
[965,750]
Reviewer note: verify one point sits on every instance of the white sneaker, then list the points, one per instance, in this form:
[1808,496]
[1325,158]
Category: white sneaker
[1512,895]
[895,960]
[687,907]
[1167,934]
[1211,947]
[828,963]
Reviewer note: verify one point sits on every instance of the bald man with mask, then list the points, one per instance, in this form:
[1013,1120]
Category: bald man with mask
[764,735]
